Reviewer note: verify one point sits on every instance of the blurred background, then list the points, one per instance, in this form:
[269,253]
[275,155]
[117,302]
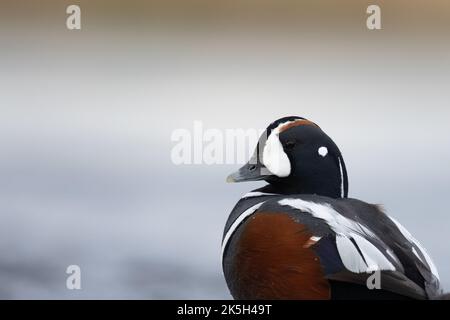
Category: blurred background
[86,119]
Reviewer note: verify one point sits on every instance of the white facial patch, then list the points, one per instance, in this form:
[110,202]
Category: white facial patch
[323,151]
[274,157]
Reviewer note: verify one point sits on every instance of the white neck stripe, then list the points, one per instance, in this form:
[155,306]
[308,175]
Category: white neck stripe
[236,224]
[342,177]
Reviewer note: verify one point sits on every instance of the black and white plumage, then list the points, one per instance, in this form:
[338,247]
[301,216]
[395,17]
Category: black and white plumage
[300,237]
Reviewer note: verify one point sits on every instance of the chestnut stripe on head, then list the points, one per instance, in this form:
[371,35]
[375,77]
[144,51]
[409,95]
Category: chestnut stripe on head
[300,122]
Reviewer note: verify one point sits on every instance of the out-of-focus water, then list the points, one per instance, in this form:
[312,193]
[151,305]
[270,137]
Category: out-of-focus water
[86,176]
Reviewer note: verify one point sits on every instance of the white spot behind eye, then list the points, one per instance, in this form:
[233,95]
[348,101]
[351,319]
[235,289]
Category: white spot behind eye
[323,151]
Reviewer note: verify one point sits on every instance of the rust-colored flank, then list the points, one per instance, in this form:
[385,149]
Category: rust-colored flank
[275,260]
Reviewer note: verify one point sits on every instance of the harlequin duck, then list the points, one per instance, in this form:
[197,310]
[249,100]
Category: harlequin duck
[301,237]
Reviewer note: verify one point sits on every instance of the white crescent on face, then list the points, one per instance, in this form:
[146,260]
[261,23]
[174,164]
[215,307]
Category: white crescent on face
[274,157]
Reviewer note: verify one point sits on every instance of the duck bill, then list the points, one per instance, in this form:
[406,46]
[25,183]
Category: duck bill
[249,172]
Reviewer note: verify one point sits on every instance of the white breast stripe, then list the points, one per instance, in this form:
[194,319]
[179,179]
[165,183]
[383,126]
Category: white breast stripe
[346,230]
[257,194]
[416,243]
[236,224]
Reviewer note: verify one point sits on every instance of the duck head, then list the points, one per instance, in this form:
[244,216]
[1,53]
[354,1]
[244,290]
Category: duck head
[295,156]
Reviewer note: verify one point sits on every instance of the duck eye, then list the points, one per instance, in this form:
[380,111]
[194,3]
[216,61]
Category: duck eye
[289,144]
[252,167]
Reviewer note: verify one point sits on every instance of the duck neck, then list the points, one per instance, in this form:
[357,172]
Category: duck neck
[327,186]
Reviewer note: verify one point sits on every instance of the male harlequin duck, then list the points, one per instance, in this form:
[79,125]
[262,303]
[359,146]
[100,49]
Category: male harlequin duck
[300,237]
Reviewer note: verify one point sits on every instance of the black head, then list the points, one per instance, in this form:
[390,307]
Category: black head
[295,156]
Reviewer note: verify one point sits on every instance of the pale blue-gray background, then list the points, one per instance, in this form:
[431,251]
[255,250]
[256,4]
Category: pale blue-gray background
[85,123]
